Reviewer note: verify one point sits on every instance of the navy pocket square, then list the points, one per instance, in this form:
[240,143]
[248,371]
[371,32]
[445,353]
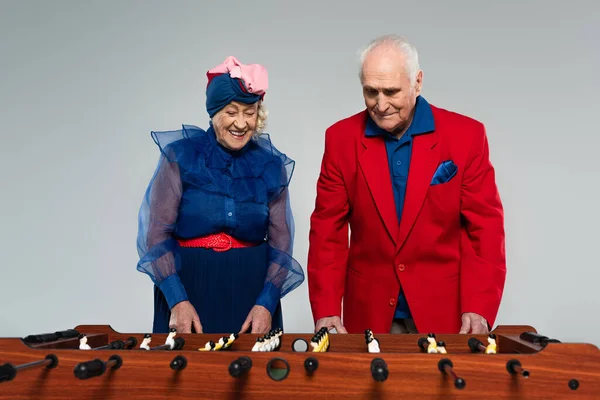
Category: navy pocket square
[445,171]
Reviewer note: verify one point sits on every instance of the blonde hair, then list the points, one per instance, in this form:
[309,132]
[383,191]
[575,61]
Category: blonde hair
[261,118]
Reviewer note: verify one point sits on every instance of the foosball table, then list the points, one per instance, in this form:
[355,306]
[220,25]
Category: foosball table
[97,362]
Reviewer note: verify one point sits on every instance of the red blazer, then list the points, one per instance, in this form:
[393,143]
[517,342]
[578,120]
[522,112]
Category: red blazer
[448,253]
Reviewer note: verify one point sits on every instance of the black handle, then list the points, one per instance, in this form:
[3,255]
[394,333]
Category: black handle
[475,344]
[178,363]
[311,364]
[536,338]
[7,372]
[41,338]
[240,367]
[90,369]
[67,334]
[379,370]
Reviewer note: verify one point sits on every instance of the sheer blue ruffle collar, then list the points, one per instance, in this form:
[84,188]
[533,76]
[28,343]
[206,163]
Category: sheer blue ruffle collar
[259,159]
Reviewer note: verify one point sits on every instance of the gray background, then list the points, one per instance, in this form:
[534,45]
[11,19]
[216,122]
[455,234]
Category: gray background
[82,83]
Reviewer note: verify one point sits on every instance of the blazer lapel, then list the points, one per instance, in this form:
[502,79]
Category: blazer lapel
[424,160]
[374,165]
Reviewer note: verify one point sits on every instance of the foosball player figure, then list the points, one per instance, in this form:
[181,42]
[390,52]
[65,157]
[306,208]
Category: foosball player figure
[83,343]
[171,338]
[372,342]
[432,347]
[268,344]
[278,334]
[222,342]
[209,346]
[441,347]
[320,341]
[492,347]
[146,342]
[231,339]
[258,344]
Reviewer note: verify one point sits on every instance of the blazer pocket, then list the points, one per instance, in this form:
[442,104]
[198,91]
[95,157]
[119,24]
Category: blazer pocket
[444,172]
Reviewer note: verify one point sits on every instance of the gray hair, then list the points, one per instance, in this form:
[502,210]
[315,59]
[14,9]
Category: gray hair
[401,44]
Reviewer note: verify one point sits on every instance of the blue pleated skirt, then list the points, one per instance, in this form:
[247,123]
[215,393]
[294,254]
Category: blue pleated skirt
[222,286]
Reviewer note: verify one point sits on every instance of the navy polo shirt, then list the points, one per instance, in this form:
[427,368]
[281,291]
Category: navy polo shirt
[398,154]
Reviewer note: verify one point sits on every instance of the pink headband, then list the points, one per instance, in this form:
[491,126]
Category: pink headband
[254,76]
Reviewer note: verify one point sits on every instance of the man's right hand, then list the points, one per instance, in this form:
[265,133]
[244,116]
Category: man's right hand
[183,316]
[330,323]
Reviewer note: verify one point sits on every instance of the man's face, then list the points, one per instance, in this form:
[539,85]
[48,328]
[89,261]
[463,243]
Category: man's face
[390,96]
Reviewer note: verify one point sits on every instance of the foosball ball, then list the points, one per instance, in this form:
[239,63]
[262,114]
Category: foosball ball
[96,362]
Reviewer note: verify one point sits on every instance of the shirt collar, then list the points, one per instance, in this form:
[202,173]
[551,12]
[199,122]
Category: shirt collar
[422,122]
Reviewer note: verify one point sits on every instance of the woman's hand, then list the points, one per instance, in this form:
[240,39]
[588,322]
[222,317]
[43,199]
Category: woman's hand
[260,320]
[183,317]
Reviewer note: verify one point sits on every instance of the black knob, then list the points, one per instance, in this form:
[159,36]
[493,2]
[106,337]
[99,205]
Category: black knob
[89,369]
[379,370]
[7,372]
[179,343]
[311,364]
[474,344]
[53,361]
[573,384]
[423,343]
[131,342]
[240,366]
[117,345]
[178,363]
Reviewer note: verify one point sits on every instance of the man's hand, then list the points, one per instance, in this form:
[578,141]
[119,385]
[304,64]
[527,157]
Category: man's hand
[473,323]
[330,323]
[183,316]
[260,319]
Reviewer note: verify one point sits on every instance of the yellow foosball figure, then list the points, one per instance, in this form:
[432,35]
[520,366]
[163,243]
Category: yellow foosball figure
[492,347]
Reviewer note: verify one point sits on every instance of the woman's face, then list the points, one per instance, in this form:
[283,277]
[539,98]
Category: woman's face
[235,124]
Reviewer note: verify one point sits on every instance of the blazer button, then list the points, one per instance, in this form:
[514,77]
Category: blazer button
[401,267]
[392,302]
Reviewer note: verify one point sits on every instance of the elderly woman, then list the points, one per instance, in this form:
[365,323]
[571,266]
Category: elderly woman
[215,227]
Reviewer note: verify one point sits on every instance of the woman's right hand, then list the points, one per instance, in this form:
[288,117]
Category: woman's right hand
[183,317]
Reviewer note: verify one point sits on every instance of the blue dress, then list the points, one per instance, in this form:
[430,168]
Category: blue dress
[201,188]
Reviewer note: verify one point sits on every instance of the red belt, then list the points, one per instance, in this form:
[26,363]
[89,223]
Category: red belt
[217,242]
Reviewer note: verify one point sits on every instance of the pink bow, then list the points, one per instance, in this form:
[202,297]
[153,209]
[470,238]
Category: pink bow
[255,76]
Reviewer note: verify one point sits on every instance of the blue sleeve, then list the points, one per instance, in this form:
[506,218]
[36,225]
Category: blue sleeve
[155,243]
[284,273]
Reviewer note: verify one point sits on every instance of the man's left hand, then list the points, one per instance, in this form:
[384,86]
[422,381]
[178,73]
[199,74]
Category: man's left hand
[260,320]
[473,323]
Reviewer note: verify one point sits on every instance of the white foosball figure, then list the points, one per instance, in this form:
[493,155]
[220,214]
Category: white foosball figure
[171,338]
[372,342]
[83,343]
[278,334]
[441,347]
[270,341]
[258,344]
[146,342]
[432,347]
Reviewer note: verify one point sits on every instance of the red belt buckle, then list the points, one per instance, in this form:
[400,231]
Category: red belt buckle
[227,245]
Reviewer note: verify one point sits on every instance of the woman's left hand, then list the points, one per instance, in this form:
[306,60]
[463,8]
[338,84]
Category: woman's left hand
[260,320]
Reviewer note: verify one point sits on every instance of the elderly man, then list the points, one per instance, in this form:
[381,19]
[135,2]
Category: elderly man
[415,185]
